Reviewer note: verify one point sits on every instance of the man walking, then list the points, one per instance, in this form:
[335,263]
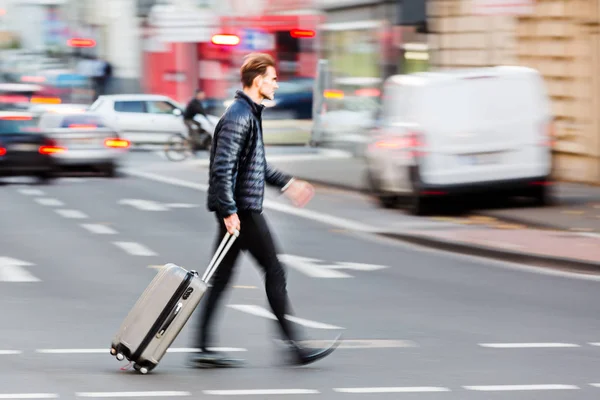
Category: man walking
[238,174]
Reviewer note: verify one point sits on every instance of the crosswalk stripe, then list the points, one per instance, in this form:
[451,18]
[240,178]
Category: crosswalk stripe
[11,270]
[262,312]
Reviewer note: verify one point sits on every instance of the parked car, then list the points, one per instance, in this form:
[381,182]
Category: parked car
[462,132]
[85,142]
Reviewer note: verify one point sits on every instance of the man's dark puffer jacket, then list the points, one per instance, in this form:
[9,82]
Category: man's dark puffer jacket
[238,168]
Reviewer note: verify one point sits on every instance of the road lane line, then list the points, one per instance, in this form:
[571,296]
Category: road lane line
[106,351]
[135,249]
[9,352]
[262,312]
[29,396]
[133,394]
[527,345]
[45,201]
[75,214]
[416,389]
[31,192]
[100,229]
[263,392]
[507,388]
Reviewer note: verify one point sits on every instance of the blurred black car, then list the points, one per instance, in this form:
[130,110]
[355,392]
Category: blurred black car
[293,100]
[24,150]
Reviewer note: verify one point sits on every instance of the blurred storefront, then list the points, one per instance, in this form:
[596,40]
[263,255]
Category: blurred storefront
[560,38]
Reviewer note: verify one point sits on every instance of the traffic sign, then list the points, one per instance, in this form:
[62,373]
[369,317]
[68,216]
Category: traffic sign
[257,40]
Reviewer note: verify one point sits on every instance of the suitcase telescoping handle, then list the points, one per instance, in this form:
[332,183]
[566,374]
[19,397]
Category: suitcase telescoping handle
[220,254]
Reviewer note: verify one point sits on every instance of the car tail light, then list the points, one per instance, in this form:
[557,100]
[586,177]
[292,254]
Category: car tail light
[417,143]
[83,126]
[117,143]
[16,118]
[50,147]
[2,151]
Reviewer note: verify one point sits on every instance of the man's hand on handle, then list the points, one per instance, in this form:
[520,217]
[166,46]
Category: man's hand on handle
[232,223]
[300,192]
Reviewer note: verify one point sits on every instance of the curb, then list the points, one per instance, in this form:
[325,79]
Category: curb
[521,221]
[495,253]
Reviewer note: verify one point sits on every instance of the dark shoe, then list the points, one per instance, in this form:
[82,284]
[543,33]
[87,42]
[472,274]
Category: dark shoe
[213,359]
[305,356]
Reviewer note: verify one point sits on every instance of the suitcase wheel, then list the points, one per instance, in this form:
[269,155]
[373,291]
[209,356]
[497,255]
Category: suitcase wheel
[120,357]
[142,370]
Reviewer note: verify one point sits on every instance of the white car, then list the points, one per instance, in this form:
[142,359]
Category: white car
[146,118]
[461,132]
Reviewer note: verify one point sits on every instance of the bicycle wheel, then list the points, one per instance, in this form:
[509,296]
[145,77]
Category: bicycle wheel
[178,148]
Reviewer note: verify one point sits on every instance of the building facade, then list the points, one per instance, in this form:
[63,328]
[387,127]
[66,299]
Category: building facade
[560,38]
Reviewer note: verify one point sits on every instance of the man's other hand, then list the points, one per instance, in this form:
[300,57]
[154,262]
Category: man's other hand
[300,192]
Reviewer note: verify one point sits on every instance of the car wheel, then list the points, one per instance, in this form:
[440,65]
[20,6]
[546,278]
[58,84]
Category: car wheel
[46,177]
[109,170]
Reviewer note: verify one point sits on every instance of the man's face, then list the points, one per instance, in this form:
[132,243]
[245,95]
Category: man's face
[200,95]
[269,84]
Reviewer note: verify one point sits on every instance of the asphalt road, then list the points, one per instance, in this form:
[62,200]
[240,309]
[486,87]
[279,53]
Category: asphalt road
[74,257]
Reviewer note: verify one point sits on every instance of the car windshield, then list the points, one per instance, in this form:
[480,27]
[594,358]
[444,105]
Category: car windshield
[17,124]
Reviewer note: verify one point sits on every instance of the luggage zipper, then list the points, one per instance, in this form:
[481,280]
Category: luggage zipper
[164,315]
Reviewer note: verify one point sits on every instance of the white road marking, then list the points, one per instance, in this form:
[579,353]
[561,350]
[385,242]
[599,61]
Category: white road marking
[356,266]
[29,396]
[49,202]
[527,345]
[73,180]
[416,389]
[262,312]
[11,270]
[182,205]
[31,192]
[99,229]
[362,344]
[596,385]
[133,394]
[310,267]
[264,392]
[144,205]
[507,388]
[135,249]
[106,351]
[75,214]
[597,344]
[9,352]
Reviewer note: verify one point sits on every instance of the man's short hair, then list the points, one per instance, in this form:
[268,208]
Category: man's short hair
[255,64]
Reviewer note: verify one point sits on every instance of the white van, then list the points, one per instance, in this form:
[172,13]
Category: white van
[461,131]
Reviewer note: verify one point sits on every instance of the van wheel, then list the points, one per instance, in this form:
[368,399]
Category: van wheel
[384,200]
[543,196]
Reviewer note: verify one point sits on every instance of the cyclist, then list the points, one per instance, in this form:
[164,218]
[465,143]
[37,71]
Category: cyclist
[198,135]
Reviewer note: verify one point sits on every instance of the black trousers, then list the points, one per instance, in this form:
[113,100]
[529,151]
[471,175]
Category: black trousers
[255,237]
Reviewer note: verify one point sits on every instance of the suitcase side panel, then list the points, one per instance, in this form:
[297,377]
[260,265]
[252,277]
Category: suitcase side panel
[157,348]
[148,307]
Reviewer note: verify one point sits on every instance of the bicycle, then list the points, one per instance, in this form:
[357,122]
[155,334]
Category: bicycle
[180,147]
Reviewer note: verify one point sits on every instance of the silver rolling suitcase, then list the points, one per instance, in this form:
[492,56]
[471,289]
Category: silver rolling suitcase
[162,310]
